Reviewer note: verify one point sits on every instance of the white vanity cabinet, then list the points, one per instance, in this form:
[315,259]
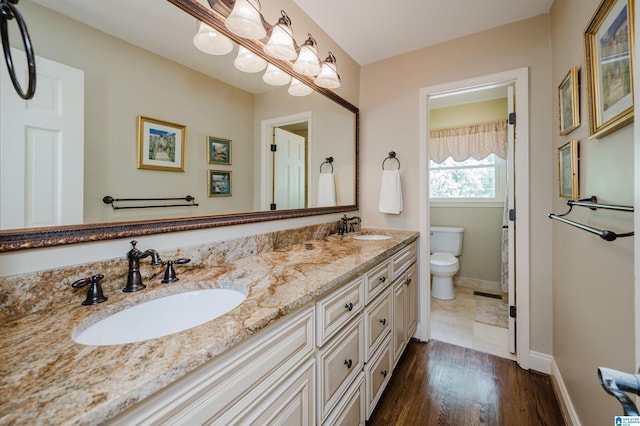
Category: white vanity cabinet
[269,377]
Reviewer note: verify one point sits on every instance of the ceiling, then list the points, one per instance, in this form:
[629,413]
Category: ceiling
[372,30]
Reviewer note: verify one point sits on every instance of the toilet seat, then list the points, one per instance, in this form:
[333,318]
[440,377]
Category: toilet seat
[443,259]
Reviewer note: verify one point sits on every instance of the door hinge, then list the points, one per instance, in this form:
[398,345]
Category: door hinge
[512,311]
[274,147]
[512,118]
[272,206]
[512,215]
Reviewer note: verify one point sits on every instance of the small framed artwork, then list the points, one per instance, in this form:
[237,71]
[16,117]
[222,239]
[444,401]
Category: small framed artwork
[218,150]
[219,183]
[609,67]
[568,170]
[161,144]
[569,102]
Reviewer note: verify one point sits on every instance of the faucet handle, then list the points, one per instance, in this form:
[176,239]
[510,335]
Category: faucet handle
[170,273]
[94,294]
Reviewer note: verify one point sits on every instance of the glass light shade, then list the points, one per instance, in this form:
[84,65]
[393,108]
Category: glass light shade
[308,62]
[245,20]
[298,88]
[280,44]
[210,41]
[328,77]
[275,76]
[247,61]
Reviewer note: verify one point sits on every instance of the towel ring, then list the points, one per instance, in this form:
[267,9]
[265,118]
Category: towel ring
[392,155]
[8,11]
[329,161]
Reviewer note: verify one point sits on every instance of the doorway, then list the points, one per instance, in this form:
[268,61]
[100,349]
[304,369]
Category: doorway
[517,231]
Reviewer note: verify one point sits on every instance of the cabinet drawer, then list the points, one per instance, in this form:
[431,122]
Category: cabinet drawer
[338,308]
[403,259]
[377,375]
[338,364]
[351,410]
[376,280]
[377,322]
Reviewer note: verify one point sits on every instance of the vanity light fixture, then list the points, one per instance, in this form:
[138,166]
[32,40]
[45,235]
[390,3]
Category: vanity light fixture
[308,62]
[275,76]
[245,20]
[328,77]
[211,41]
[281,44]
[298,88]
[247,61]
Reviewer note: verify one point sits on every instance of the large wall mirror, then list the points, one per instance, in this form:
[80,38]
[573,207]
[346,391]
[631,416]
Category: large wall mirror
[136,59]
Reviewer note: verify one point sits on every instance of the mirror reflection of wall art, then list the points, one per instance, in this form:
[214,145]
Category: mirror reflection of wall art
[218,150]
[569,102]
[161,144]
[219,183]
[609,67]
[568,169]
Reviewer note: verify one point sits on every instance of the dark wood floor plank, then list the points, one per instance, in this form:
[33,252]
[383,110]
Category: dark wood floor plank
[437,384]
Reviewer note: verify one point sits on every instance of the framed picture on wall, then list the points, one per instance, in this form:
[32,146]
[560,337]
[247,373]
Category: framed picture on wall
[569,102]
[161,145]
[218,150]
[568,170]
[219,183]
[609,67]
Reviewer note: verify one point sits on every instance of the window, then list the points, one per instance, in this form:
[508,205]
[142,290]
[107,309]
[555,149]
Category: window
[468,181]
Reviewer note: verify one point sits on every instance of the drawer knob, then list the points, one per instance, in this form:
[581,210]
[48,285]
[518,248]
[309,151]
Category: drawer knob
[383,321]
[407,281]
[383,278]
[384,373]
[349,306]
[348,363]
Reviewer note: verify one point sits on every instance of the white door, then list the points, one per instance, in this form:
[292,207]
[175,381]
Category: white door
[42,148]
[289,170]
[511,132]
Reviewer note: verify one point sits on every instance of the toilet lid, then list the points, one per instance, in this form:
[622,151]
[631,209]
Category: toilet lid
[443,259]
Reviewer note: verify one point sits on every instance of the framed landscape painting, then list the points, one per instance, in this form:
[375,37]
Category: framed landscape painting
[569,102]
[568,170]
[219,183]
[161,145]
[218,150]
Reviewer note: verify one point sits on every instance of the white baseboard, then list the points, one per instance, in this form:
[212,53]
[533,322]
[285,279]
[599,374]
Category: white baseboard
[540,362]
[567,408]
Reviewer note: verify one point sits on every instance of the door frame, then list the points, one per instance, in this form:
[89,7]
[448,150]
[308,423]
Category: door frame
[520,77]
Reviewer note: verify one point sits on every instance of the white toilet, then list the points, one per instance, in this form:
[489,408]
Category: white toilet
[446,244]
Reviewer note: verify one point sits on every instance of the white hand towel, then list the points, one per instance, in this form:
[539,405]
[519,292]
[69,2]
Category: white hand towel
[326,190]
[391,192]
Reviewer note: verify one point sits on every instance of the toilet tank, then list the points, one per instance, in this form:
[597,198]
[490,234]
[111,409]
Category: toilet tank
[446,239]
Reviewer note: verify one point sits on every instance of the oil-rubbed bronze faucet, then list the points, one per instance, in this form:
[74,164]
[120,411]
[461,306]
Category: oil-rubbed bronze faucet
[134,279]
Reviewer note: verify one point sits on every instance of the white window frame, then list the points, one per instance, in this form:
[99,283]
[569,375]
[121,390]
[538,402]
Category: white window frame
[498,201]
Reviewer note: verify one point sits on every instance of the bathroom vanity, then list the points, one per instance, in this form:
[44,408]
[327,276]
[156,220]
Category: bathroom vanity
[315,342]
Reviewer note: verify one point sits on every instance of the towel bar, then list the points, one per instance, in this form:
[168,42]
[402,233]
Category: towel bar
[190,200]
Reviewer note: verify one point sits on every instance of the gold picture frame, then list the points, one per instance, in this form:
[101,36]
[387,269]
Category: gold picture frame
[161,145]
[219,183]
[608,41]
[569,102]
[218,150]
[568,170]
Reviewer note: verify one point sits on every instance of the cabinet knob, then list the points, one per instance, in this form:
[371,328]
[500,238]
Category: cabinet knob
[384,373]
[383,321]
[348,363]
[349,306]
[383,278]
[407,281]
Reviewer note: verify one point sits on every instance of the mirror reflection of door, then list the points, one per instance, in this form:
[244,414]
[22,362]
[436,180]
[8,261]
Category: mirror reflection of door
[289,169]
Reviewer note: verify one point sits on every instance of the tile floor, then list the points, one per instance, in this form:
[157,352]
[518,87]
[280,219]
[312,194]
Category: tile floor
[454,321]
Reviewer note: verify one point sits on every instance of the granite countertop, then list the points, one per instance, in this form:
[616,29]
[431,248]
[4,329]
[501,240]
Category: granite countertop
[48,378]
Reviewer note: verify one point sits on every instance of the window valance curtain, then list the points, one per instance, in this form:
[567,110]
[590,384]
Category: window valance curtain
[477,141]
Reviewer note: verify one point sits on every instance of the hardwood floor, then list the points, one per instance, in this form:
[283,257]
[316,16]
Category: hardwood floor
[438,383]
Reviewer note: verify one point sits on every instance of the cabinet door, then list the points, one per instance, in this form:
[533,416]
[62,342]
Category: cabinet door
[377,375]
[399,319]
[377,322]
[351,410]
[411,282]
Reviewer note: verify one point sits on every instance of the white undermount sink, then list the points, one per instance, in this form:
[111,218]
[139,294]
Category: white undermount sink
[371,237]
[160,317]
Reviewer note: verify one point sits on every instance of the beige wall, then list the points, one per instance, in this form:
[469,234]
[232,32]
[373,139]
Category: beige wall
[593,294]
[472,113]
[390,121]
